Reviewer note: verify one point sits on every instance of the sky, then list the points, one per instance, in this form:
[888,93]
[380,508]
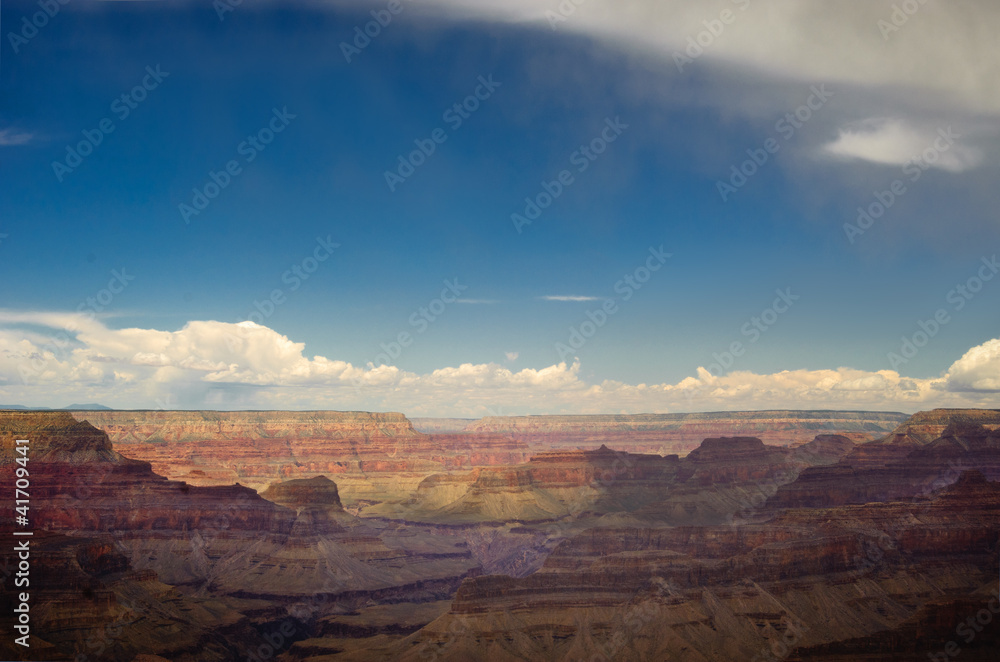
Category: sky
[476,207]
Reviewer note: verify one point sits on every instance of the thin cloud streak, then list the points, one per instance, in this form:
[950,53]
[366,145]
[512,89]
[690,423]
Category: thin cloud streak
[10,137]
[569,297]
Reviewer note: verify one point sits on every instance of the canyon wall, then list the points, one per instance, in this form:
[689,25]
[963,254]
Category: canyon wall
[666,434]
[370,455]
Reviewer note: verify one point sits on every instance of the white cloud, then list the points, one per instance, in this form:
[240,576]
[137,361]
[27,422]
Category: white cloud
[12,137]
[977,370]
[208,364]
[512,356]
[896,142]
[945,52]
[568,297]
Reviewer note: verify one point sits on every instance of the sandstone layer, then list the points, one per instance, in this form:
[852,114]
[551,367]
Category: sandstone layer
[150,555]
[848,581]
[666,434]
[370,455]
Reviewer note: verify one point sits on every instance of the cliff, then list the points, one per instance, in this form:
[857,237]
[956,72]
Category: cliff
[680,433]
[847,580]
[904,465]
[926,426]
[372,455]
[117,545]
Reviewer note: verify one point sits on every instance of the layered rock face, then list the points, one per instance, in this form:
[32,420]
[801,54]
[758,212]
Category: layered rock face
[78,482]
[135,539]
[852,580]
[316,503]
[371,455]
[88,504]
[573,554]
[512,517]
[87,602]
[549,486]
[715,481]
[680,433]
[926,426]
[904,465]
[441,425]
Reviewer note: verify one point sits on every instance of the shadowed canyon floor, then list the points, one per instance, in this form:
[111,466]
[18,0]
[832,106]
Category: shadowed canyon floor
[822,548]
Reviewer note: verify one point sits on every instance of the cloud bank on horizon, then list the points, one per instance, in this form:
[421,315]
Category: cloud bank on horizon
[219,365]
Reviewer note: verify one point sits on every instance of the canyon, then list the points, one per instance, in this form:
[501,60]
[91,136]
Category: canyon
[351,536]
[680,433]
[378,456]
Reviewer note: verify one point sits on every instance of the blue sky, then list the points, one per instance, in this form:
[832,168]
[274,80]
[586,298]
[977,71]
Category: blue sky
[506,342]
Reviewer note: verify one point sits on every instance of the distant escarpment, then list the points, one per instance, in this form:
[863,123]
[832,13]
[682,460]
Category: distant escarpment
[680,433]
[907,464]
[926,426]
[370,454]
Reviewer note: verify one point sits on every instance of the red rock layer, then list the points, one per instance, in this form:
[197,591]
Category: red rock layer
[847,574]
[899,468]
[926,426]
[258,448]
[680,433]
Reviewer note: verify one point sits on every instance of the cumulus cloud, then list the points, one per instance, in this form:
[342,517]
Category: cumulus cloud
[511,356]
[209,364]
[896,142]
[978,370]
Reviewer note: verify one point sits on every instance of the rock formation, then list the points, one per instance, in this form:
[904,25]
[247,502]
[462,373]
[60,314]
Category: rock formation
[680,433]
[371,456]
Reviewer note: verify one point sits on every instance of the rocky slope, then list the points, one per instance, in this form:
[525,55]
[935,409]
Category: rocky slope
[849,580]
[899,467]
[129,533]
[716,480]
[823,549]
[926,426]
